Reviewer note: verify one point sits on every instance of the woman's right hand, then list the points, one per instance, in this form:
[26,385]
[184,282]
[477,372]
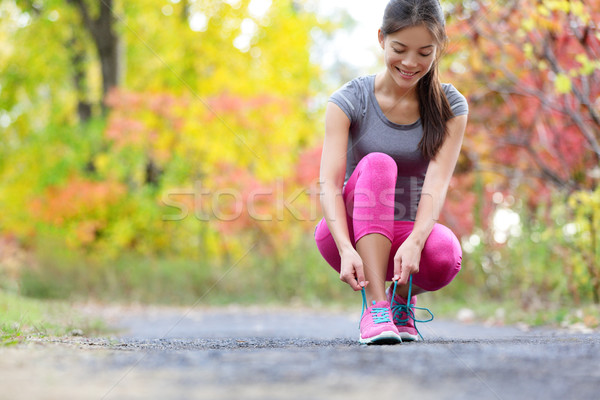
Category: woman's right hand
[352,269]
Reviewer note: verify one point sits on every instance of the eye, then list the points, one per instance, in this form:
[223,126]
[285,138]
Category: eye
[426,55]
[398,51]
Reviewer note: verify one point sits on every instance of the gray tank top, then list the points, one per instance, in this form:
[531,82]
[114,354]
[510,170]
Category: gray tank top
[371,131]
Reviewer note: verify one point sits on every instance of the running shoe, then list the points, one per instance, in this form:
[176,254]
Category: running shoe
[403,313]
[376,326]
[404,323]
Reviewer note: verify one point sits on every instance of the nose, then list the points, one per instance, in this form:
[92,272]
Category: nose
[410,61]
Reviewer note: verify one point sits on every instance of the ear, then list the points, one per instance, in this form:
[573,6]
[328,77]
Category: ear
[381,38]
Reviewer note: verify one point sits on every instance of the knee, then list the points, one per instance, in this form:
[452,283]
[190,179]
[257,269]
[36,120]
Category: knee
[380,160]
[447,250]
[441,258]
[381,164]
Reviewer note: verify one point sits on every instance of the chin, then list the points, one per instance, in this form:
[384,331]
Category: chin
[406,83]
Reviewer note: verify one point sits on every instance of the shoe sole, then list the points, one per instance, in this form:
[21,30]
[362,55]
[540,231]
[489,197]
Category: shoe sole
[383,338]
[407,337]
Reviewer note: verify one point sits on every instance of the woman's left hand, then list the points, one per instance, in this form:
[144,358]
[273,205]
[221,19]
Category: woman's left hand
[406,261]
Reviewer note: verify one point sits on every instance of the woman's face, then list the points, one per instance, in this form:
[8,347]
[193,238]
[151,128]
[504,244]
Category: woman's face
[409,54]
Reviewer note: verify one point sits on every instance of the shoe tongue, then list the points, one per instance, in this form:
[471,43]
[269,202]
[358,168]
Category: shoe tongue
[403,301]
[380,304]
[397,299]
[400,300]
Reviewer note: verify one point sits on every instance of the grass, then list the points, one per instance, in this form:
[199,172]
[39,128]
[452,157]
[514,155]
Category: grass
[479,308]
[302,278]
[21,318]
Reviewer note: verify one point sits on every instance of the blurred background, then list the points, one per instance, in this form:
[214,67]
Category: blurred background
[167,151]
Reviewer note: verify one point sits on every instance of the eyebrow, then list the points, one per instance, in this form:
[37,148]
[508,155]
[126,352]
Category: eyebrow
[402,44]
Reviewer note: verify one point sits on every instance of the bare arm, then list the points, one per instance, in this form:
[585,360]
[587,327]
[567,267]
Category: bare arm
[433,195]
[332,174]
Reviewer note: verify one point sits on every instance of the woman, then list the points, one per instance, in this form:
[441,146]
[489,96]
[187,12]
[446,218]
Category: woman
[391,144]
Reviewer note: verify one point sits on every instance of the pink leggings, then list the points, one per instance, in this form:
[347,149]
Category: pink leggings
[369,199]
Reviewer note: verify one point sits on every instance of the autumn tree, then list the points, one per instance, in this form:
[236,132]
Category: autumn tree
[531,72]
[534,79]
[220,94]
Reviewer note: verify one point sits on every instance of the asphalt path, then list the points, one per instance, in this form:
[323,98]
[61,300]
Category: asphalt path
[258,353]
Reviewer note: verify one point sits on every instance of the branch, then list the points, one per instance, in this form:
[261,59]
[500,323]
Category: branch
[510,173]
[547,172]
[541,96]
[549,55]
[585,84]
[551,58]
[582,37]
[518,87]
[515,139]
[525,92]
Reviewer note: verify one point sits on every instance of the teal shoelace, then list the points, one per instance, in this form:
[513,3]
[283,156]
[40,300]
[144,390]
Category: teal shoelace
[380,314]
[408,309]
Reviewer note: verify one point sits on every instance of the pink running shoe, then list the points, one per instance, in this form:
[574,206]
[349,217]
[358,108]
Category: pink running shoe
[404,314]
[404,323]
[376,326]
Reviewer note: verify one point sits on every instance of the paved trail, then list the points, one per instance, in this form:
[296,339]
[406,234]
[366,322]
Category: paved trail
[251,353]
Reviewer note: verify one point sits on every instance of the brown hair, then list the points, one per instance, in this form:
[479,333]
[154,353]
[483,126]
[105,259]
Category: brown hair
[433,105]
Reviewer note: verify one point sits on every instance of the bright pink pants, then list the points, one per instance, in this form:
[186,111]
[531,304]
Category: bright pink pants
[369,199]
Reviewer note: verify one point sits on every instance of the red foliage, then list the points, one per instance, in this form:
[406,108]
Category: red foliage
[307,168]
[523,132]
[238,199]
[78,198]
[138,119]
[226,103]
[129,123]
[458,210]
[80,202]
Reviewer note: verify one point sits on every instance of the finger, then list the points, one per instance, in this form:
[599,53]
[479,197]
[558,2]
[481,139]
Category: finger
[397,268]
[404,274]
[354,284]
[360,275]
[351,280]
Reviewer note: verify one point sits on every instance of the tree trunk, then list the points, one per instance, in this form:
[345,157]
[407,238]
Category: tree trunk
[106,40]
[78,57]
[107,44]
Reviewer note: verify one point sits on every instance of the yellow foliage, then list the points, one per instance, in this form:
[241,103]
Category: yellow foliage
[528,50]
[557,5]
[562,83]
[528,24]
[587,66]
[578,9]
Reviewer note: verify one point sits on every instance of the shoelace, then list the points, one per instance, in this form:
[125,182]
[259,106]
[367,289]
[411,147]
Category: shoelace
[380,314]
[407,308]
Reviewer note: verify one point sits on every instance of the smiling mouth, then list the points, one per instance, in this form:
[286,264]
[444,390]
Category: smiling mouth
[405,73]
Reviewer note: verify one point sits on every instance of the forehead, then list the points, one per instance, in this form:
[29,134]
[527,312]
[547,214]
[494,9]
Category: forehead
[414,36]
